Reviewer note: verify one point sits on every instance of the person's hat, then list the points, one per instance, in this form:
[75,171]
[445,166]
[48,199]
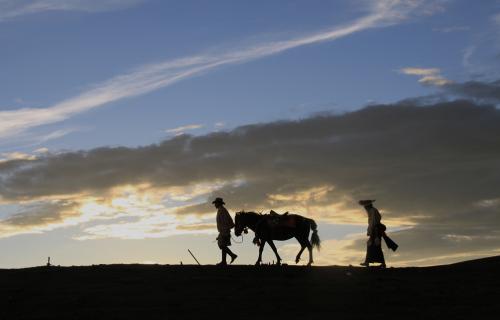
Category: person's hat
[218,200]
[366,202]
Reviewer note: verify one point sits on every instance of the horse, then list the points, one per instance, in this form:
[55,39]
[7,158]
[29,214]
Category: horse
[269,227]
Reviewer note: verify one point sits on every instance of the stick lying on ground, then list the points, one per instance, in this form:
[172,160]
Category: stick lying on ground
[192,255]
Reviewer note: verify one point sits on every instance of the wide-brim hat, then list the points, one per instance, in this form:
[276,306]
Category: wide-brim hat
[218,200]
[366,202]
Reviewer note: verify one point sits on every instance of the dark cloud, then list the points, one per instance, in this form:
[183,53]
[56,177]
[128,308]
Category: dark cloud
[432,156]
[436,165]
[482,91]
[41,214]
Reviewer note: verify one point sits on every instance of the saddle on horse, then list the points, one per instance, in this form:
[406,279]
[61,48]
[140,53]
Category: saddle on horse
[275,219]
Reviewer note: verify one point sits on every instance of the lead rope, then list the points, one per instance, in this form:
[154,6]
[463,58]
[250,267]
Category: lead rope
[235,241]
[238,241]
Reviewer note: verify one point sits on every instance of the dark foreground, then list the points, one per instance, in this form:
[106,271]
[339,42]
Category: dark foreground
[469,290]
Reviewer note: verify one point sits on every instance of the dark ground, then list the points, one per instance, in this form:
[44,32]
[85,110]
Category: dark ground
[469,290]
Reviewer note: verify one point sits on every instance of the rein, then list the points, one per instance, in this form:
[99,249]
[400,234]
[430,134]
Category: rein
[238,241]
[245,230]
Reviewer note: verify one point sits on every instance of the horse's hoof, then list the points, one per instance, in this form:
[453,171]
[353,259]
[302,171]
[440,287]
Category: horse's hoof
[257,263]
[309,264]
[297,260]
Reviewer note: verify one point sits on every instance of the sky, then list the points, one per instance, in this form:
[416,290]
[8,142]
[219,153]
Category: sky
[120,122]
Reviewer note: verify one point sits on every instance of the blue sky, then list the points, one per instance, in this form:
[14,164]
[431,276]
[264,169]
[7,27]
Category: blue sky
[54,55]
[79,75]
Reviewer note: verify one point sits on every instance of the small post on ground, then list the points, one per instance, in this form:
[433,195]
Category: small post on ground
[192,255]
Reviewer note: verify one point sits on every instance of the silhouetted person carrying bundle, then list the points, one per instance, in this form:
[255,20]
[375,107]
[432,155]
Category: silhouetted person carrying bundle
[375,232]
[224,225]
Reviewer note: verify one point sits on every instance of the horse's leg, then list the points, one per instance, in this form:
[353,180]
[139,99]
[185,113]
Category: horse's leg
[271,243]
[310,248]
[302,247]
[261,248]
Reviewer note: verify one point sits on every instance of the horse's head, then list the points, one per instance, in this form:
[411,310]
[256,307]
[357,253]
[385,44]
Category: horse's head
[240,224]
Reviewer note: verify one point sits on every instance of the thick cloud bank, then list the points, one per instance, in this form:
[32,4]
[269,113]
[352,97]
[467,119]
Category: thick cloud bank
[436,167]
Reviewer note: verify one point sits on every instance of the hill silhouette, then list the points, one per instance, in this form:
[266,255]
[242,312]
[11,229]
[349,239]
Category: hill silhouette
[458,291]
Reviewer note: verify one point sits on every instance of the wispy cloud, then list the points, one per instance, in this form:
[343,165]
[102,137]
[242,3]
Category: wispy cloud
[34,139]
[496,19]
[56,134]
[428,76]
[10,9]
[468,52]
[452,29]
[41,150]
[155,76]
[182,129]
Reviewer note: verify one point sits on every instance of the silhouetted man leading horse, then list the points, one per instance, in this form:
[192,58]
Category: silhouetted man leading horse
[224,225]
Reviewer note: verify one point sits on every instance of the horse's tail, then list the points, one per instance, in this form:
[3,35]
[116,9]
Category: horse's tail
[315,241]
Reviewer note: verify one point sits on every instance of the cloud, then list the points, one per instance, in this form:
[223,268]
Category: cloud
[125,212]
[182,129]
[481,91]
[55,135]
[10,9]
[157,226]
[155,76]
[16,156]
[314,148]
[41,150]
[38,214]
[478,90]
[496,19]
[200,226]
[420,71]
[434,169]
[428,76]
[452,29]
[434,7]
[468,52]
